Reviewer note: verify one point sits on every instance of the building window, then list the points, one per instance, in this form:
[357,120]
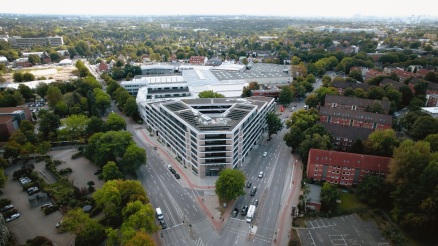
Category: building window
[337,172]
[342,177]
[316,164]
[342,182]
[336,182]
[316,169]
[345,168]
[348,168]
[315,174]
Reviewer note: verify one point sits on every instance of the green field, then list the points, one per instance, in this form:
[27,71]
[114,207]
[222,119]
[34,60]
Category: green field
[349,201]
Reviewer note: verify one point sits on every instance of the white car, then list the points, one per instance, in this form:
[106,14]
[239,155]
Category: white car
[265,154]
[13,217]
[261,175]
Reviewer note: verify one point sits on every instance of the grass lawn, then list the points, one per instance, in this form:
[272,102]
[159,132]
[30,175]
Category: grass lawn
[349,201]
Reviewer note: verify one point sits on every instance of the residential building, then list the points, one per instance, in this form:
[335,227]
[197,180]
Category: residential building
[4,60]
[431,89]
[19,113]
[341,86]
[355,118]
[344,136]
[375,56]
[343,168]
[352,103]
[394,83]
[208,135]
[22,62]
[103,67]
[202,60]
[372,73]
[390,69]
[403,75]
[29,42]
[431,110]
[432,100]
[8,125]
[423,72]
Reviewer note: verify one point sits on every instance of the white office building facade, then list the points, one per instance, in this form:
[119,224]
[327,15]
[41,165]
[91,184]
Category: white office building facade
[208,135]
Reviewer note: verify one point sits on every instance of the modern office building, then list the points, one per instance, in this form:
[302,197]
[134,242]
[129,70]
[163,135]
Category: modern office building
[208,135]
[17,41]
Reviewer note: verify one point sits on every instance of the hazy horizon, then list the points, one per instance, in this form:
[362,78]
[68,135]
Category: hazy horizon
[317,8]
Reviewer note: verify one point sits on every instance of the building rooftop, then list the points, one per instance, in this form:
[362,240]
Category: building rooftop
[315,193]
[354,86]
[349,132]
[396,84]
[5,118]
[11,110]
[30,84]
[360,102]
[225,75]
[430,110]
[269,68]
[356,115]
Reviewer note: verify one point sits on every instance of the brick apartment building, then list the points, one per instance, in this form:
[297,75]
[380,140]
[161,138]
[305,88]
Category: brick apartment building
[201,60]
[341,86]
[343,168]
[423,72]
[8,125]
[396,84]
[431,89]
[275,93]
[344,136]
[352,103]
[404,74]
[355,118]
[432,100]
[372,73]
[22,62]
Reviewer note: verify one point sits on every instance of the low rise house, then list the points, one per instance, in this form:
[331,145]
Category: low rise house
[423,72]
[403,75]
[8,125]
[431,89]
[4,60]
[343,168]
[314,195]
[355,118]
[103,67]
[22,62]
[201,60]
[433,111]
[371,74]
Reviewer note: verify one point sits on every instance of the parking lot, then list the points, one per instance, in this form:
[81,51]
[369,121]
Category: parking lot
[32,221]
[345,230]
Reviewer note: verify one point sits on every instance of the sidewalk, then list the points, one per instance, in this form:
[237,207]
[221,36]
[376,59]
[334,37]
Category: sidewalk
[284,224]
[209,205]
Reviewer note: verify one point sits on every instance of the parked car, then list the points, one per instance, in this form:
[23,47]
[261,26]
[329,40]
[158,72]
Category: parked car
[172,171]
[58,224]
[47,205]
[244,210]
[235,212]
[253,191]
[405,108]
[248,184]
[33,190]
[13,217]
[292,109]
[177,176]
[265,153]
[6,208]
[169,167]
[256,203]
[163,224]
[97,172]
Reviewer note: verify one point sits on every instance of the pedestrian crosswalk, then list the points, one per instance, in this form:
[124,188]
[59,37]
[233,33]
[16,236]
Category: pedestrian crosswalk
[199,242]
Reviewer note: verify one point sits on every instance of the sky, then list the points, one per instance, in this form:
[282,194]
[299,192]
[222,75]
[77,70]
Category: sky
[315,8]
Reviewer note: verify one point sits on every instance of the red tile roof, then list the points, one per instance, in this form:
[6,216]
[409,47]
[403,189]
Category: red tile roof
[366,162]
[404,74]
[5,118]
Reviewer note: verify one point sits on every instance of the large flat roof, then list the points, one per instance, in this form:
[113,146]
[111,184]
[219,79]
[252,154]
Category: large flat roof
[30,84]
[226,75]
[11,110]
[269,68]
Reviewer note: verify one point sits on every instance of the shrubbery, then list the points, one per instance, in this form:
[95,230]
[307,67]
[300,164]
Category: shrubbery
[4,202]
[76,155]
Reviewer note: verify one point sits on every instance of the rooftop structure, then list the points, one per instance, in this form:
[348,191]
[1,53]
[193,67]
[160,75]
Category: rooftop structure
[352,103]
[30,84]
[431,110]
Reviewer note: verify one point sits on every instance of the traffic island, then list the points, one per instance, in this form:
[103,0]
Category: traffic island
[214,211]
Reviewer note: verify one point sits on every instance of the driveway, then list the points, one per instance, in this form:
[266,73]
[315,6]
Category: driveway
[32,221]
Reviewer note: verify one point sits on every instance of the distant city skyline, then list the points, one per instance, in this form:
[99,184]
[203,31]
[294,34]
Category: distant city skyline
[316,8]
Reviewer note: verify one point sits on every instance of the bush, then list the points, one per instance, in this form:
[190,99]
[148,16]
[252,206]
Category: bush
[4,202]
[39,241]
[57,162]
[19,172]
[100,176]
[77,155]
[65,171]
[50,210]
[32,184]
[48,161]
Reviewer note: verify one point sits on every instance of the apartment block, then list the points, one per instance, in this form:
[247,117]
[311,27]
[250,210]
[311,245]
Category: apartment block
[208,135]
[341,86]
[355,118]
[344,136]
[343,168]
[352,103]
[432,100]
[431,89]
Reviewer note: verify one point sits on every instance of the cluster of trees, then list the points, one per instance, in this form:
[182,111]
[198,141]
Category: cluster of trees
[305,134]
[125,205]
[13,98]
[210,94]
[112,145]
[23,77]
[411,189]
[405,59]
[127,71]
[230,184]
[419,124]
[299,87]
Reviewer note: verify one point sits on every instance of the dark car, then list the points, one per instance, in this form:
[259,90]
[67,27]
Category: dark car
[256,203]
[163,224]
[254,191]
[177,176]
[235,212]
[6,208]
[244,210]
[248,184]
[172,171]
[98,172]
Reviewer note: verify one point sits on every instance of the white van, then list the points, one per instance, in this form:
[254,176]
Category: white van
[159,213]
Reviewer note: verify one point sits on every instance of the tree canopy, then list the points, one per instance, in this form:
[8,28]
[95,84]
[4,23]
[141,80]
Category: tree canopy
[230,184]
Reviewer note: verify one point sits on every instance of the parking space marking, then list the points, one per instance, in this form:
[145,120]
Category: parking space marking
[338,240]
[311,237]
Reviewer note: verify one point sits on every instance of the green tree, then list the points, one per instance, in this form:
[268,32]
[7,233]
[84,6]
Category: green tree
[349,92]
[210,94]
[416,104]
[111,171]
[382,142]
[314,141]
[95,125]
[76,125]
[34,59]
[423,127]
[18,97]
[328,197]
[140,238]
[41,89]
[323,91]
[230,184]
[247,89]
[356,74]
[109,198]
[43,148]
[357,146]
[311,78]
[49,123]
[3,178]
[432,139]
[295,60]
[286,95]
[55,56]
[18,77]
[113,237]
[375,93]
[133,158]
[131,107]
[115,123]
[18,136]
[377,107]
[312,100]
[28,77]
[61,109]
[138,216]
[274,123]
[431,76]
[103,100]
[12,150]
[340,67]
[54,96]
[420,87]
[91,234]
[75,220]
[326,80]
[26,125]
[245,61]
[373,190]
[25,91]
